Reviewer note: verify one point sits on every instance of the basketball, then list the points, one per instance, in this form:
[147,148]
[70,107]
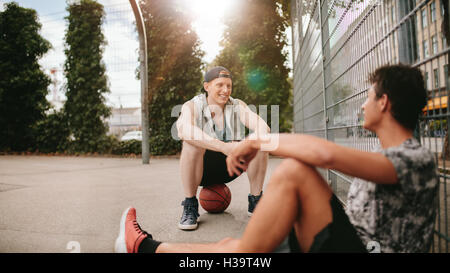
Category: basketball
[215,198]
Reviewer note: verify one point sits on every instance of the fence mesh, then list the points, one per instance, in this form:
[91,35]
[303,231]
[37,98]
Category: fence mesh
[120,57]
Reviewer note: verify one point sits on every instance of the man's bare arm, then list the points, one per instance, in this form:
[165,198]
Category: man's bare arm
[319,152]
[189,132]
[251,120]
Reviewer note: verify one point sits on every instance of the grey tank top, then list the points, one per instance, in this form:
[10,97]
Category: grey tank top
[233,129]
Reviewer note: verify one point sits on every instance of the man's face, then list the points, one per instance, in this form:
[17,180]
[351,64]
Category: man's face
[219,90]
[371,109]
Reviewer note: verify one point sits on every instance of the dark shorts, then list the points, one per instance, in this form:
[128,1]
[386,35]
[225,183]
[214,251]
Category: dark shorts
[215,169]
[339,236]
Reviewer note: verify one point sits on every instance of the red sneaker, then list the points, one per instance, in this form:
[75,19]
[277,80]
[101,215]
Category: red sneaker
[130,233]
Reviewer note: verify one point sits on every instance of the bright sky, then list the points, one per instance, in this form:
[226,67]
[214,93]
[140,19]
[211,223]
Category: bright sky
[120,54]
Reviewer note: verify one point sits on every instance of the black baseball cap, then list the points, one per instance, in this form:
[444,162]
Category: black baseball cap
[216,72]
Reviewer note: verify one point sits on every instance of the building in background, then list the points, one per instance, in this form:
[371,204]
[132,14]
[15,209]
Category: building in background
[123,120]
[55,99]
[431,49]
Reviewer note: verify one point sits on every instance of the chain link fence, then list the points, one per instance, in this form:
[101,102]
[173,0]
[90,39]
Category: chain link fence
[337,43]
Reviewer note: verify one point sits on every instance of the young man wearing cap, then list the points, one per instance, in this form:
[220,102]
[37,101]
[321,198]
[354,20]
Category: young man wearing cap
[210,125]
[391,203]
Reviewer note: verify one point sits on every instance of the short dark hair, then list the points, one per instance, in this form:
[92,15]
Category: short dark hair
[405,89]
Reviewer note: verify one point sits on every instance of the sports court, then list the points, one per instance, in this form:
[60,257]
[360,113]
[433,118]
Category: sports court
[52,203]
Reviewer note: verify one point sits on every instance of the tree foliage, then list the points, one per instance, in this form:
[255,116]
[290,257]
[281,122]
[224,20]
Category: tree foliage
[254,49]
[53,133]
[85,109]
[23,85]
[174,68]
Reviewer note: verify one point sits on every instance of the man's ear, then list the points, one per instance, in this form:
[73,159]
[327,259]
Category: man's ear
[384,103]
[205,86]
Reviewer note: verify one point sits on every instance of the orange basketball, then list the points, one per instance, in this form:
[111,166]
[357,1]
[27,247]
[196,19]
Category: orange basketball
[215,198]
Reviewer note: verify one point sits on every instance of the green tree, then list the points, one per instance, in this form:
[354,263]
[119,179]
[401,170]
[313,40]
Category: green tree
[85,109]
[174,71]
[23,85]
[254,49]
[53,133]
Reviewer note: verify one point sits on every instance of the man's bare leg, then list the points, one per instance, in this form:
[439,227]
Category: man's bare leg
[191,165]
[256,172]
[296,196]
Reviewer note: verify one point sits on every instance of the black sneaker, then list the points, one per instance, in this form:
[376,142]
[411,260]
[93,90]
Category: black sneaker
[190,214]
[252,202]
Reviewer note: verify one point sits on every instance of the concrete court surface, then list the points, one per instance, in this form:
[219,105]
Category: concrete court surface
[58,204]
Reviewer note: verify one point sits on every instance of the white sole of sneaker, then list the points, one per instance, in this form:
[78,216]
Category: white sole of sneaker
[187,227]
[121,246]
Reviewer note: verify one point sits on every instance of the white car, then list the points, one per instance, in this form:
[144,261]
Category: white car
[137,135]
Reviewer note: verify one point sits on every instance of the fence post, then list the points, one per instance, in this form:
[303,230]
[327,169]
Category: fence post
[325,55]
[144,81]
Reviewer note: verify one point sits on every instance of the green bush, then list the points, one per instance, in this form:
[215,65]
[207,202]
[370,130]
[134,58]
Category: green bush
[158,146]
[127,147]
[164,145]
[53,134]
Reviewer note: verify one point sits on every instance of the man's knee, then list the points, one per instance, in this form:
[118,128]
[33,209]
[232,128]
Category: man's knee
[191,150]
[305,179]
[286,178]
[296,176]
[293,170]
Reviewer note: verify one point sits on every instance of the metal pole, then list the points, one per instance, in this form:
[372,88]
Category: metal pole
[325,56]
[144,80]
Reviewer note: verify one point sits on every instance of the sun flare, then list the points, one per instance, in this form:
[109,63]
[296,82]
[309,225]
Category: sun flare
[208,22]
